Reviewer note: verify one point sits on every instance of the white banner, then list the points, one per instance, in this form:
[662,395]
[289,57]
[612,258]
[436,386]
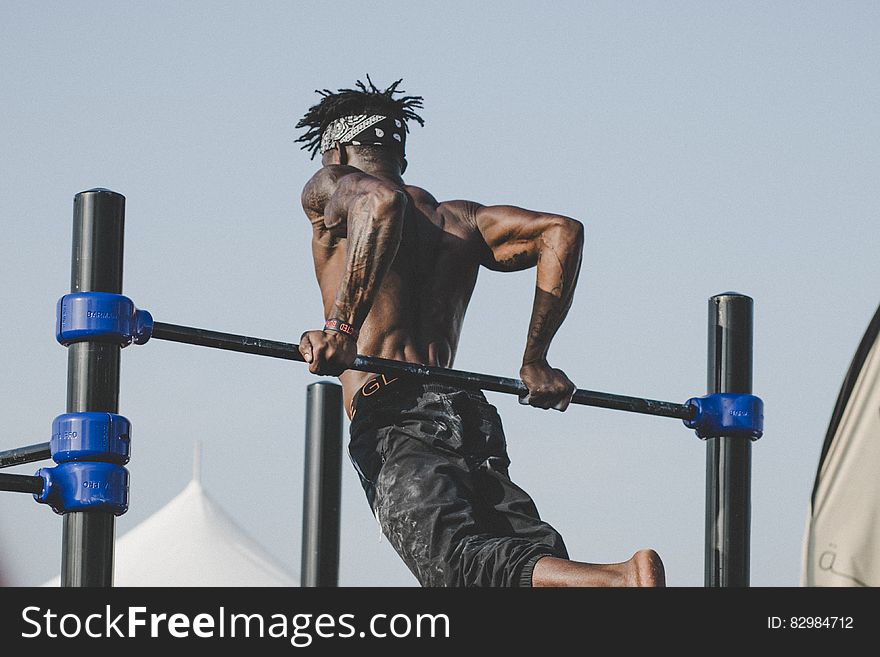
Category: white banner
[842,541]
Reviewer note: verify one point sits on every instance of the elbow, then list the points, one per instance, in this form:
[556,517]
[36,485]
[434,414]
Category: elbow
[569,230]
[576,229]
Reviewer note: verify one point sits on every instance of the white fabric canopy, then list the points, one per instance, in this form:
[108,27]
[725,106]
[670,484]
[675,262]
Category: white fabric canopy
[192,541]
[842,541]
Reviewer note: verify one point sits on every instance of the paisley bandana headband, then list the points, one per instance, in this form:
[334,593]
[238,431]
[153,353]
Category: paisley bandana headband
[364,130]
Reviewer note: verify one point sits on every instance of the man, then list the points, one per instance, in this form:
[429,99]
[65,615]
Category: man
[396,269]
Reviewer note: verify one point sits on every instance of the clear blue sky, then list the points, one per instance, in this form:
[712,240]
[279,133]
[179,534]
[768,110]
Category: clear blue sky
[706,146]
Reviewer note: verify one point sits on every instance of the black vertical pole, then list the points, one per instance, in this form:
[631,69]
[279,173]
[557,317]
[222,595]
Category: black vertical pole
[322,485]
[729,459]
[93,374]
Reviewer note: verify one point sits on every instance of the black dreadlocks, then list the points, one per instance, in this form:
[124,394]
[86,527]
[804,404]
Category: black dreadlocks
[347,102]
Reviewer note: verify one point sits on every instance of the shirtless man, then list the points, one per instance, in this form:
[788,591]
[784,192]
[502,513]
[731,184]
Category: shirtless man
[396,269]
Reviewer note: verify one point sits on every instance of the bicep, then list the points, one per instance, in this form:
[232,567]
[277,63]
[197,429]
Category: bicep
[512,235]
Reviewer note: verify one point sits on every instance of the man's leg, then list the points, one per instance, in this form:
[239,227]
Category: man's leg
[440,489]
[516,509]
[517,515]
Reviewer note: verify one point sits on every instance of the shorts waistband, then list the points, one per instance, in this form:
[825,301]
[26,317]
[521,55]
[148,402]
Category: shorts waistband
[377,387]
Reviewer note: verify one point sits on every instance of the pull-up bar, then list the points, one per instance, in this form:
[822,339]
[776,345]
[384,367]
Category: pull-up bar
[29,454]
[289,351]
[21,483]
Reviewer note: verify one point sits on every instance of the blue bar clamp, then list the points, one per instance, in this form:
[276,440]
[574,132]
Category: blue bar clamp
[90,450]
[727,414]
[101,317]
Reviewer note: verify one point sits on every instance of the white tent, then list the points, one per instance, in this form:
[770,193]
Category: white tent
[192,541]
[842,541]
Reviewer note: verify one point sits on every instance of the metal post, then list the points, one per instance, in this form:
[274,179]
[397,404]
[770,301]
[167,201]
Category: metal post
[322,486]
[93,374]
[728,459]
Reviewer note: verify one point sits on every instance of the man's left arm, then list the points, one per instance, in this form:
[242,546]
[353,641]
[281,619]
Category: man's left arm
[519,239]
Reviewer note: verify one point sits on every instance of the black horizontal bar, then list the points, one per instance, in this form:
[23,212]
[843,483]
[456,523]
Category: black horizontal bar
[228,341]
[21,483]
[29,454]
[290,351]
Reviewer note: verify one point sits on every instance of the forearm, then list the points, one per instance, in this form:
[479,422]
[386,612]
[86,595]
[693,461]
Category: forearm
[560,251]
[375,225]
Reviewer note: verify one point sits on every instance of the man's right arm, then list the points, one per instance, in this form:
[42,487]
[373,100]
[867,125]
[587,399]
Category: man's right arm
[368,212]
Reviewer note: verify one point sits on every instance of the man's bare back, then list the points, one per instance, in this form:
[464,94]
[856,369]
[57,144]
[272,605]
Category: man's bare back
[418,311]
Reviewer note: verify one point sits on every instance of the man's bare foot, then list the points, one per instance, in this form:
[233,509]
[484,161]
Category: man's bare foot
[645,569]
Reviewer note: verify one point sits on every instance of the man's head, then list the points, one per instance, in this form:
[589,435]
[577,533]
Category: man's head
[369,121]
